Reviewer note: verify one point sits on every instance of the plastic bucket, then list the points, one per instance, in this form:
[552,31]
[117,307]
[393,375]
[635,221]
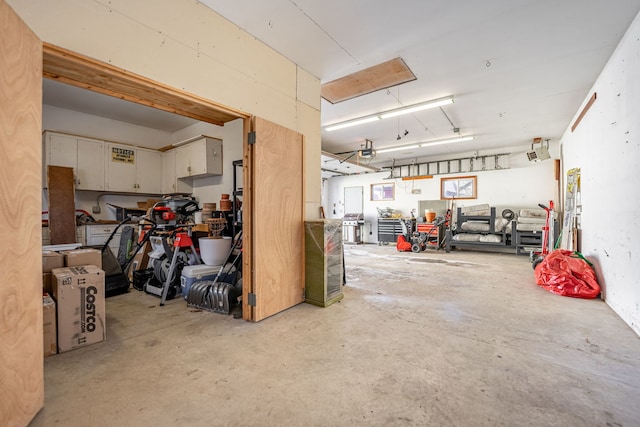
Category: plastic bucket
[214,251]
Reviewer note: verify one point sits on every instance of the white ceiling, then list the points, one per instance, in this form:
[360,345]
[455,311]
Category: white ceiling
[518,69]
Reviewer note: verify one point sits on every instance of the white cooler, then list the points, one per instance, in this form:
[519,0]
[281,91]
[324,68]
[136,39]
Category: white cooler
[196,273]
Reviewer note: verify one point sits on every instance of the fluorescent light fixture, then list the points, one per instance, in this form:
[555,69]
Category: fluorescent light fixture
[435,103]
[404,147]
[447,141]
[423,144]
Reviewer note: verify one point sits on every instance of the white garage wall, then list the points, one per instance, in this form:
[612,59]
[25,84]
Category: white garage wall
[606,147]
[66,121]
[523,186]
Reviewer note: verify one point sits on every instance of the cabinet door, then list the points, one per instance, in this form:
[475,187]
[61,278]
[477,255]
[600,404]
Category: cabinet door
[60,150]
[90,170]
[148,171]
[170,181]
[120,168]
[169,172]
[183,161]
[198,160]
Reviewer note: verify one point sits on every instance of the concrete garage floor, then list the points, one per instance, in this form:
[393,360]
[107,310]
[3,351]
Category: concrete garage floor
[459,339]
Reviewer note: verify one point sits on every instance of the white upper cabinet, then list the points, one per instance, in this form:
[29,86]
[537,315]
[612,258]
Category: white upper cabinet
[149,171]
[199,159]
[170,181]
[132,169]
[84,155]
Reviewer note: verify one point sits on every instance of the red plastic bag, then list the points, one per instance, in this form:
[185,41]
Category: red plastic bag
[568,274]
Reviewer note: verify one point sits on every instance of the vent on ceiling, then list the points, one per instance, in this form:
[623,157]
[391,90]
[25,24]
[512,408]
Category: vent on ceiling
[372,79]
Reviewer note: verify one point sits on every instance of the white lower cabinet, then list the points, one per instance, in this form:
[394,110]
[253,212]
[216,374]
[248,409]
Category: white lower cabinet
[97,234]
[92,235]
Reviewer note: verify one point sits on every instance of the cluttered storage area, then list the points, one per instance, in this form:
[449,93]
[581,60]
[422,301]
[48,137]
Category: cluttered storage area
[169,220]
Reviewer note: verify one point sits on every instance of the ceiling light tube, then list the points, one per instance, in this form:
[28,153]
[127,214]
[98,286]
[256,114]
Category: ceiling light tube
[417,107]
[447,141]
[389,150]
[350,123]
[392,113]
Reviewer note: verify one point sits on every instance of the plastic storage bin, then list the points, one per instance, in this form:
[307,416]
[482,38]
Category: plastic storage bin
[196,273]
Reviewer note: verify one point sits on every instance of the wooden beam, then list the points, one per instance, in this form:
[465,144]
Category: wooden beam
[81,71]
[584,111]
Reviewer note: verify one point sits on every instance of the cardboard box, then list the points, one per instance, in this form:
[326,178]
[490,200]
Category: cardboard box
[86,256]
[51,260]
[49,325]
[46,284]
[79,295]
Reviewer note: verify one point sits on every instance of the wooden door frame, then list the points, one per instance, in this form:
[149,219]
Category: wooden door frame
[82,71]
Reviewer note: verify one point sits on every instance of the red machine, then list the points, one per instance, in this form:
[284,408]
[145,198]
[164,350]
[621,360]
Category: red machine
[415,237]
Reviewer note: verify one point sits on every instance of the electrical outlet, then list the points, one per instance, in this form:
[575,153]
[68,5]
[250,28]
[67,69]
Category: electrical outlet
[95,209]
[416,191]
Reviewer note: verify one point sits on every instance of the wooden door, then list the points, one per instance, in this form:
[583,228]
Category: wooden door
[21,340]
[274,199]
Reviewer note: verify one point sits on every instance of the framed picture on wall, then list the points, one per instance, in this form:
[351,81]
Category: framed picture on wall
[460,187]
[382,191]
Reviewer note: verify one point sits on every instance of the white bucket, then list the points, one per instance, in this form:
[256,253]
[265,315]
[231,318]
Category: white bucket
[214,251]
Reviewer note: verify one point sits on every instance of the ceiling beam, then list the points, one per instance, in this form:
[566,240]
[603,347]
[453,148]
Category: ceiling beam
[78,70]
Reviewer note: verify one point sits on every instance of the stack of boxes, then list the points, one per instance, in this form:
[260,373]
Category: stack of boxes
[73,301]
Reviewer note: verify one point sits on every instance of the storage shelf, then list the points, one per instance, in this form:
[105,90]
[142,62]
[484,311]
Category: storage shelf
[506,239]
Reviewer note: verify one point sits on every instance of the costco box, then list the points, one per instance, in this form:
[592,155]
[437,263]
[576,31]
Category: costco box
[51,260]
[78,257]
[49,325]
[79,295]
